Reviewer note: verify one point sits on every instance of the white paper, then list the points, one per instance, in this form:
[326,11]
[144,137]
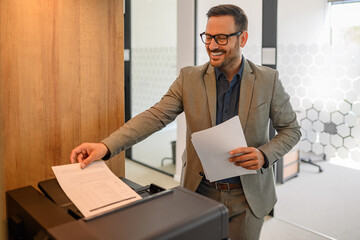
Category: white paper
[213,147]
[94,190]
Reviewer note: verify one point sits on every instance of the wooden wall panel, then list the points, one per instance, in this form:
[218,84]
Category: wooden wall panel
[61,75]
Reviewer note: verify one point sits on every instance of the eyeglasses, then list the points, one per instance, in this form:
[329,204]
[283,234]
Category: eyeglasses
[221,39]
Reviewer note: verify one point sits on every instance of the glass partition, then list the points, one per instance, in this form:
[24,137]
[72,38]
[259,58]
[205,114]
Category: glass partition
[153,69]
[318,62]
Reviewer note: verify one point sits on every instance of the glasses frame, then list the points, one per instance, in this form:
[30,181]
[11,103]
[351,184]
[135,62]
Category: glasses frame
[214,37]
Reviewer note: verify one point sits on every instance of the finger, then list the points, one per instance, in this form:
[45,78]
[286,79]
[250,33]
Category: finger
[80,157]
[247,164]
[255,167]
[253,164]
[238,159]
[243,157]
[242,150]
[74,154]
[238,150]
[73,157]
[87,161]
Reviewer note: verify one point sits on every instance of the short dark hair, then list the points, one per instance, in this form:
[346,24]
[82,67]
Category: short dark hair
[240,18]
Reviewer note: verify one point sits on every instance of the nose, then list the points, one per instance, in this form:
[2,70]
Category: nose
[213,45]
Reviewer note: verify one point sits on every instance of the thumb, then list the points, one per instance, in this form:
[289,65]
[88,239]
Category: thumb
[87,161]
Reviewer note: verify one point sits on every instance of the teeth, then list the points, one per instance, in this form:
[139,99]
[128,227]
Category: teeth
[216,53]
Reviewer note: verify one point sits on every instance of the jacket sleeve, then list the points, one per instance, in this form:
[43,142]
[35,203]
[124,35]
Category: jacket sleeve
[284,121]
[146,123]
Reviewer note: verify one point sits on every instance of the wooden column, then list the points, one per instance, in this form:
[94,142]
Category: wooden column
[61,73]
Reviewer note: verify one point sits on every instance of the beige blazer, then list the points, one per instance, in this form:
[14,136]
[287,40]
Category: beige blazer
[262,98]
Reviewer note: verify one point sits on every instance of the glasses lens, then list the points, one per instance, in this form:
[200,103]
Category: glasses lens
[206,38]
[221,39]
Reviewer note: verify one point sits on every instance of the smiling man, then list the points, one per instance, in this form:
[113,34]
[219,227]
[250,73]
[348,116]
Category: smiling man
[225,50]
[228,85]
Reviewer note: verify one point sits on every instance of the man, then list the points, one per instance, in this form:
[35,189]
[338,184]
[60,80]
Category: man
[227,86]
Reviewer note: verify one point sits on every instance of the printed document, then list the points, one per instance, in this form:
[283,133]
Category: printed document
[94,190]
[213,147]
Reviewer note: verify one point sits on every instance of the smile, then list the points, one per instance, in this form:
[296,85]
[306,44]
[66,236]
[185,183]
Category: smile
[216,53]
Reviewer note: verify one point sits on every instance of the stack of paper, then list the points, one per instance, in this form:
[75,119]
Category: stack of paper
[94,190]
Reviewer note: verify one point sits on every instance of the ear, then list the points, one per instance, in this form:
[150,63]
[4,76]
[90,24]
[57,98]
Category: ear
[243,39]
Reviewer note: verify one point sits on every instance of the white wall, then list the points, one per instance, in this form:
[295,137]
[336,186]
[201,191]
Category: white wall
[303,22]
[153,22]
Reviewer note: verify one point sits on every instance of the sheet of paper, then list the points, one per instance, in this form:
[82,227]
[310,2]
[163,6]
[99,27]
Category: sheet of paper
[213,147]
[94,190]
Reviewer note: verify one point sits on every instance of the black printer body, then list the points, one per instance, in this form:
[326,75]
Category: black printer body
[173,214]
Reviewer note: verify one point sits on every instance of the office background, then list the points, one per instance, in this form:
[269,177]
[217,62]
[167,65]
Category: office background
[50,48]
[317,56]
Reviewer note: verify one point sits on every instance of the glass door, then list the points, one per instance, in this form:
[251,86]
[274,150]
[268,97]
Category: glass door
[153,69]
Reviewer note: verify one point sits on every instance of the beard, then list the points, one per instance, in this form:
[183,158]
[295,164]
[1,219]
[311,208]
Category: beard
[225,58]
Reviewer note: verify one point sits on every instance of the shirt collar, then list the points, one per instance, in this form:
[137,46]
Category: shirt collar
[218,72]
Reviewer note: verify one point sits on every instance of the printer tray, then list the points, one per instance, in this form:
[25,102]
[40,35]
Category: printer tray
[52,190]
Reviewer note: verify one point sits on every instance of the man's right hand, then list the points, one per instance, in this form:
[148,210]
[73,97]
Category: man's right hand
[86,153]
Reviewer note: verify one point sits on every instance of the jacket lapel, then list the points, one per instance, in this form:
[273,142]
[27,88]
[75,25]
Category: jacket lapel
[246,93]
[210,85]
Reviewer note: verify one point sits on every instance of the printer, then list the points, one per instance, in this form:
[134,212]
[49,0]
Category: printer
[175,213]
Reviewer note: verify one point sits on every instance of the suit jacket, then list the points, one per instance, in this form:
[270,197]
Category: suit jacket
[262,98]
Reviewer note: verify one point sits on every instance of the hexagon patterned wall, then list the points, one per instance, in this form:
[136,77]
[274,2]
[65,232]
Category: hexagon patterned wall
[324,85]
[322,80]
[153,71]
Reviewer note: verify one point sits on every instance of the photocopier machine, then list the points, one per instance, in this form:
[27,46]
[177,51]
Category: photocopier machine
[175,213]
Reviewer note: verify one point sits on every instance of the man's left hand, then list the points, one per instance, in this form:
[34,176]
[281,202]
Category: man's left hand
[250,158]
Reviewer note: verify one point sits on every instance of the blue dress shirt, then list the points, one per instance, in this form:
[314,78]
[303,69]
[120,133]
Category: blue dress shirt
[227,105]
